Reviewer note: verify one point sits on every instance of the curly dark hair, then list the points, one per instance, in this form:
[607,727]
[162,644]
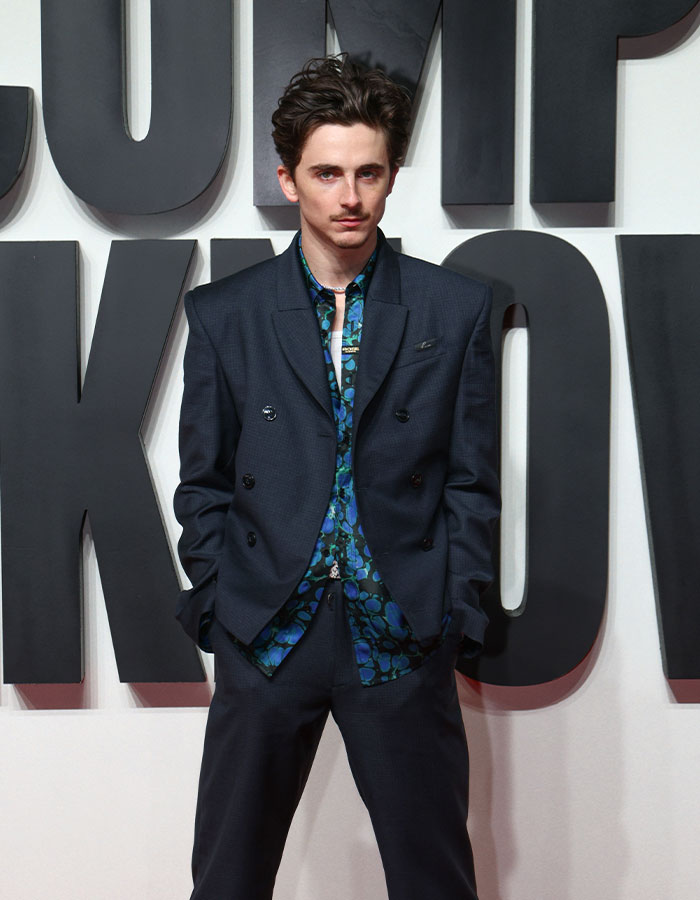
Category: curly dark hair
[335,90]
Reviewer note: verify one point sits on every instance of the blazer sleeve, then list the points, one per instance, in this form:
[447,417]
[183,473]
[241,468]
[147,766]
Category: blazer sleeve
[471,494]
[208,434]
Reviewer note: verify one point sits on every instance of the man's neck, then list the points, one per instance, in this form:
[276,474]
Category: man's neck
[335,266]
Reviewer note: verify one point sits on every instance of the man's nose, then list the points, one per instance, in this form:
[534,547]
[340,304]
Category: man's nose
[349,197]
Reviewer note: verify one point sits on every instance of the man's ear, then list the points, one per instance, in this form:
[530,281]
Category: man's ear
[289,189]
[392,179]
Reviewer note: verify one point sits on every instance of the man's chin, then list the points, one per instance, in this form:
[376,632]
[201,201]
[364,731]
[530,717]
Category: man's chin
[352,240]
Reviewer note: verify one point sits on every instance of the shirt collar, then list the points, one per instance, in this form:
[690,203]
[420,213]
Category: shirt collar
[357,287]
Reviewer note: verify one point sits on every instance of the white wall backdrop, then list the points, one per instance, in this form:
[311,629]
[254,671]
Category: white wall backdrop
[585,788]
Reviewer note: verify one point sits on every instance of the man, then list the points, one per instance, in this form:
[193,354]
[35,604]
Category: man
[338,493]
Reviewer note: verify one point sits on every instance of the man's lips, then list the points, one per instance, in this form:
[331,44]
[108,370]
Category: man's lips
[350,221]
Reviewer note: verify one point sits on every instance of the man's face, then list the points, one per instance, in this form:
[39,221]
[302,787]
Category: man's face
[341,184]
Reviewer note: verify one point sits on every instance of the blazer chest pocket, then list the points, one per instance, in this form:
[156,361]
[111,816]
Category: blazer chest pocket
[420,351]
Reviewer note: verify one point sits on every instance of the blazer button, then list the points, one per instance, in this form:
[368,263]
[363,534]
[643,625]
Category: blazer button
[269,412]
[416,479]
[427,543]
[402,415]
[251,538]
[248,480]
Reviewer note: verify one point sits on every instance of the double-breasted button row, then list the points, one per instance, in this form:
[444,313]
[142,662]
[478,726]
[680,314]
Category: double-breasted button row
[269,412]
[427,543]
[251,537]
[402,415]
[416,479]
[248,480]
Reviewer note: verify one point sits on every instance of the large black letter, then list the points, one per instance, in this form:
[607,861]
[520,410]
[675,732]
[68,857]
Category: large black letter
[662,317]
[82,54]
[230,255]
[65,452]
[15,133]
[575,91]
[568,453]
[478,101]
[478,72]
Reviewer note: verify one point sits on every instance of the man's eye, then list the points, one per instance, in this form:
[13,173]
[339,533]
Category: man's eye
[368,174]
[325,176]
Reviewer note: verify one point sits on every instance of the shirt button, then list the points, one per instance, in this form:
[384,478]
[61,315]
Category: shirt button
[416,479]
[427,543]
[269,412]
[251,538]
[402,415]
[248,480]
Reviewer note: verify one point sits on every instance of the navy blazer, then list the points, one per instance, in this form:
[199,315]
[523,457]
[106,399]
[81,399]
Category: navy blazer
[258,443]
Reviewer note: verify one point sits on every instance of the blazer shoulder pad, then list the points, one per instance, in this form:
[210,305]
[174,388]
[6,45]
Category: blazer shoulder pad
[256,280]
[420,273]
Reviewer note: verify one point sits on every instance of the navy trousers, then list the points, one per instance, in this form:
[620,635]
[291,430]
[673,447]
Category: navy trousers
[405,743]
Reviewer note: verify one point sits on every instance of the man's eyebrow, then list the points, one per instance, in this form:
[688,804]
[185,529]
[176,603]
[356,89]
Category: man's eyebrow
[320,167]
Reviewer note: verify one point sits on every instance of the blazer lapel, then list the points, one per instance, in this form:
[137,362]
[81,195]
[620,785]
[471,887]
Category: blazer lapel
[383,323]
[296,325]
